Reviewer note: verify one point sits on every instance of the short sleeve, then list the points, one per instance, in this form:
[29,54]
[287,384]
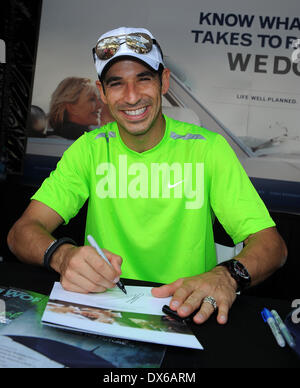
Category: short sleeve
[67,188]
[234,200]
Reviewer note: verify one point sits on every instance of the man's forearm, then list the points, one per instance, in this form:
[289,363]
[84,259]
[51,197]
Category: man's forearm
[31,235]
[263,254]
[28,242]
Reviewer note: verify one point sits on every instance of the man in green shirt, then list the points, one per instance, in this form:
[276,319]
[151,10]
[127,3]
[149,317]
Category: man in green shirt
[154,186]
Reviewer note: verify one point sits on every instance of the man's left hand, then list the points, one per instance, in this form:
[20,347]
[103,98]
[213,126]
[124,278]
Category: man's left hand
[189,293]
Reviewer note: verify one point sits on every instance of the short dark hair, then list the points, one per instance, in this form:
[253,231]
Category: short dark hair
[107,67]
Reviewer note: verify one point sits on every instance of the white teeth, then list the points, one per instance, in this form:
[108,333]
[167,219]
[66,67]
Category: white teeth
[135,112]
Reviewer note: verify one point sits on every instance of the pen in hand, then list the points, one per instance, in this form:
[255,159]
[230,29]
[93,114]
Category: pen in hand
[94,244]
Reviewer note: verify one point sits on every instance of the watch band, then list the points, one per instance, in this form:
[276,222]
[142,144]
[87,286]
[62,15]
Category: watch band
[53,247]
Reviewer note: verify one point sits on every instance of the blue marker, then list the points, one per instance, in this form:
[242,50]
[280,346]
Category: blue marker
[268,317]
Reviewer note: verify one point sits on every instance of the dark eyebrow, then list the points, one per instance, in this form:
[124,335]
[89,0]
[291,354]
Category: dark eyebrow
[112,79]
[146,73]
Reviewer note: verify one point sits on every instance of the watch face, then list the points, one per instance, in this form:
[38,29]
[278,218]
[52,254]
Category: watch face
[238,272]
[241,270]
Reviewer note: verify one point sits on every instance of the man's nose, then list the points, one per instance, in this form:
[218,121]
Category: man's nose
[132,94]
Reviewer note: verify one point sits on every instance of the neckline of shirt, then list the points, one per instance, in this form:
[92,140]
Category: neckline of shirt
[157,147]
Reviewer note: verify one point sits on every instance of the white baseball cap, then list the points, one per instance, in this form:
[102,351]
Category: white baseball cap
[153,58]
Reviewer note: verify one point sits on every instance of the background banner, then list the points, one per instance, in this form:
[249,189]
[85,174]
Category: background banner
[234,68]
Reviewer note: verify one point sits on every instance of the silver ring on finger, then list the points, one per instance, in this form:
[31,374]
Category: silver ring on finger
[211,300]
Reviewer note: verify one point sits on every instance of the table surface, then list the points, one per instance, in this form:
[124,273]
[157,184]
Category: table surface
[245,341]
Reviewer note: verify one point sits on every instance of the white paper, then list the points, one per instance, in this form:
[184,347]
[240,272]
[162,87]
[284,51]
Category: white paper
[137,316]
[158,337]
[138,299]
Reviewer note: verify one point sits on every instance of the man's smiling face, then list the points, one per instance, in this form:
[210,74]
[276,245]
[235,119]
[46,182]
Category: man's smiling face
[134,95]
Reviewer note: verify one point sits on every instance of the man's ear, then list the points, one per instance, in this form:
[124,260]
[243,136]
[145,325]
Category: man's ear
[101,91]
[165,80]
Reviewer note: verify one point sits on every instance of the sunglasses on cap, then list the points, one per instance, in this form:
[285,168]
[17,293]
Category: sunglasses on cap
[138,42]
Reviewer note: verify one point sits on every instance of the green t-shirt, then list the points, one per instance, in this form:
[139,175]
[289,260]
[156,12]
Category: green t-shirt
[156,208]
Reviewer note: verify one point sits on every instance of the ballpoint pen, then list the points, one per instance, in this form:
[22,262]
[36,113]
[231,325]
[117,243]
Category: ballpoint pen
[284,330]
[268,317]
[94,244]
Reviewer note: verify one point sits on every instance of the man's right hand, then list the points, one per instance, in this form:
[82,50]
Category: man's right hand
[83,270]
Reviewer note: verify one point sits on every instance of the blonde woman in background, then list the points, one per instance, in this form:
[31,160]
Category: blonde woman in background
[75,108]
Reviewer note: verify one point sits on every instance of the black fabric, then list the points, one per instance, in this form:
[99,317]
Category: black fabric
[19,28]
[69,130]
